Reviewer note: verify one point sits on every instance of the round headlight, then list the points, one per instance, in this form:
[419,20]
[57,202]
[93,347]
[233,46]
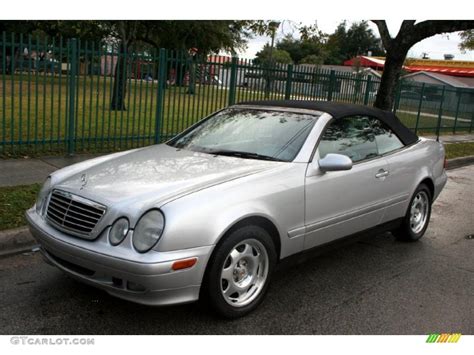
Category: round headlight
[42,196]
[118,231]
[148,230]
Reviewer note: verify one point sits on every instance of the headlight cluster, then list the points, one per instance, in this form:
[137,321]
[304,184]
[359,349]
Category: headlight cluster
[42,197]
[118,231]
[148,230]
[146,234]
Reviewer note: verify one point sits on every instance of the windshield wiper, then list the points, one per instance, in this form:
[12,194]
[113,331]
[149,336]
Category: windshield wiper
[244,155]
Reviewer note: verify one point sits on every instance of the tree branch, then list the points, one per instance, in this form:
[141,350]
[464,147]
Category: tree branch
[430,28]
[402,41]
[384,33]
[406,26]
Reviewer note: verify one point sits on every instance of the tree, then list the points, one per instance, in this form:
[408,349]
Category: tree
[301,48]
[207,36]
[397,48]
[268,57]
[84,30]
[346,43]
[312,59]
[17,26]
[467,38]
[335,45]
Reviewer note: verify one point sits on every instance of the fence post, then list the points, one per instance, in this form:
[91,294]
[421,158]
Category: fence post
[422,92]
[459,92]
[368,86]
[332,82]
[4,100]
[72,97]
[472,121]
[440,113]
[233,80]
[398,92]
[289,81]
[160,93]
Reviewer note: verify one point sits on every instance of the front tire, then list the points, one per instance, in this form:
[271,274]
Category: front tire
[239,271]
[417,218]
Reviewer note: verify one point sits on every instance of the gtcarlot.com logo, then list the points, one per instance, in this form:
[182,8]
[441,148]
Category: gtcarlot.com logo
[443,338]
[28,340]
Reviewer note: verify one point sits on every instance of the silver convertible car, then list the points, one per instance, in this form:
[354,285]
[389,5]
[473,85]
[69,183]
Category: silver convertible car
[210,213]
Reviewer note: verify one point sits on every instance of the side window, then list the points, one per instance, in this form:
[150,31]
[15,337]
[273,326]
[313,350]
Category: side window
[386,140]
[351,136]
[359,138]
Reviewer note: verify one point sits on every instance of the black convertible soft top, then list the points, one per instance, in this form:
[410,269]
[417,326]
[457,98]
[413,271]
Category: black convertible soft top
[340,110]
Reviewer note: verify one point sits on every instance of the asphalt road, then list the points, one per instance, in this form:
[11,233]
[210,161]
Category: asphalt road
[374,286]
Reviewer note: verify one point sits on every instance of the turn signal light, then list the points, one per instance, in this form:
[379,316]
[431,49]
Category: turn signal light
[184,264]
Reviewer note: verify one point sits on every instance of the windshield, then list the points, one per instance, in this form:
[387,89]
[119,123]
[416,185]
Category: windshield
[249,133]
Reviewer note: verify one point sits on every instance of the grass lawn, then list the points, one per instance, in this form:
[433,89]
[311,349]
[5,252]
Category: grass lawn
[456,150]
[427,124]
[14,201]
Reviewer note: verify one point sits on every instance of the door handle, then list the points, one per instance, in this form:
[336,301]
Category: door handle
[381,173]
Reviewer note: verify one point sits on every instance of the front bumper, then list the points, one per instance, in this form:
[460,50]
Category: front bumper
[142,278]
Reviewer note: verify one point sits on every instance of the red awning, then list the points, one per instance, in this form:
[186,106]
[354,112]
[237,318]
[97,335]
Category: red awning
[373,63]
[379,62]
[442,70]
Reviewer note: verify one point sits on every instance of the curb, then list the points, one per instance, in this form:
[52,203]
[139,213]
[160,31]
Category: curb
[15,241]
[459,162]
[20,240]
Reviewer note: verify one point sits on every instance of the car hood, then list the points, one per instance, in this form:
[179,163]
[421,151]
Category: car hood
[156,174]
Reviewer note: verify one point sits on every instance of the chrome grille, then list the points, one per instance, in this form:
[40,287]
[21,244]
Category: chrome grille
[74,214]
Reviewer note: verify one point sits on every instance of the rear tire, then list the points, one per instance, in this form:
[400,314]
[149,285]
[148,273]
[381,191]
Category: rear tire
[239,271]
[417,218]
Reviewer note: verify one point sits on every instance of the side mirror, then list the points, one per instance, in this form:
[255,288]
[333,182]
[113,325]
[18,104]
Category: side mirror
[335,162]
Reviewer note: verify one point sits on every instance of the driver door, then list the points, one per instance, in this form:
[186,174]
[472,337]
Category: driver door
[341,203]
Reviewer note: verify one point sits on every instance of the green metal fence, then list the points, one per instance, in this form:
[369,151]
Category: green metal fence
[69,96]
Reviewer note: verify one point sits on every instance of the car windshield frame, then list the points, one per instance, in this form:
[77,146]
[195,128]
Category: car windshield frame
[311,116]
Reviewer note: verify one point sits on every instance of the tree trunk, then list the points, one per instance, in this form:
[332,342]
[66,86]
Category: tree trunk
[391,74]
[120,80]
[192,76]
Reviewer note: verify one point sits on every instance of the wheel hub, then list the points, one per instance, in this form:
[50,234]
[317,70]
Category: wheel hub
[419,212]
[240,271]
[244,273]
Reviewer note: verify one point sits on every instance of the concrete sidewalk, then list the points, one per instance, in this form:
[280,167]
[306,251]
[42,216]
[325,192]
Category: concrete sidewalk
[15,172]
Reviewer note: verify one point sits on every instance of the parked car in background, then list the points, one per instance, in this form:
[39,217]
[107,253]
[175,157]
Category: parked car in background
[210,213]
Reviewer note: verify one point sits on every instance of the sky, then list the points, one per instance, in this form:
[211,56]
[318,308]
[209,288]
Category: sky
[435,46]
